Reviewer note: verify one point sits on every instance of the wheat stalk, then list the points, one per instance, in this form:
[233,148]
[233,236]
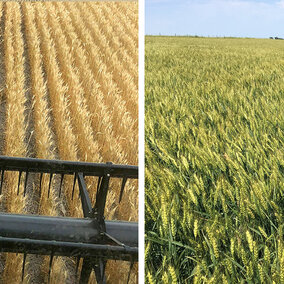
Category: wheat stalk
[111,150]
[124,126]
[124,79]
[110,16]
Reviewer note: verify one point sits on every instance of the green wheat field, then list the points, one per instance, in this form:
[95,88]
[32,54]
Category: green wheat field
[214,160]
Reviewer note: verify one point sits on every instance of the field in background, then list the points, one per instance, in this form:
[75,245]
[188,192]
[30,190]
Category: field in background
[214,160]
[68,90]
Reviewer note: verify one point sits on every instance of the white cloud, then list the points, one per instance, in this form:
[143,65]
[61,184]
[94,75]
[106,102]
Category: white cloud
[280,4]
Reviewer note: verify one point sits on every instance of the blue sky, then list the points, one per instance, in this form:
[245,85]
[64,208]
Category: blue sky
[238,18]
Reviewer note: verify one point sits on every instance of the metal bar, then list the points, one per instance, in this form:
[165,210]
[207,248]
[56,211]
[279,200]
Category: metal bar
[2,180]
[49,185]
[113,239]
[129,272]
[74,184]
[99,267]
[67,167]
[19,182]
[77,266]
[124,180]
[91,238]
[85,198]
[40,183]
[81,230]
[86,271]
[125,232]
[99,184]
[23,266]
[43,247]
[61,182]
[26,182]
[49,269]
[102,196]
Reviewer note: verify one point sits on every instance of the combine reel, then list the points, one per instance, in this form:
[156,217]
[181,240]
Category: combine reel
[91,238]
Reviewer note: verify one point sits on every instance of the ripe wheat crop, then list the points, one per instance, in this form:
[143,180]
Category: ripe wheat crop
[214,160]
[67,91]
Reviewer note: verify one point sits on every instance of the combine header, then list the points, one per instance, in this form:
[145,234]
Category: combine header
[91,238]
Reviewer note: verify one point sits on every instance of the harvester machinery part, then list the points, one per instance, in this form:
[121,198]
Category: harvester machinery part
[91,238]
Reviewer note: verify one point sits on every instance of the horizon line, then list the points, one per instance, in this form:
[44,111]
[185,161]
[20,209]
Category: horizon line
[199,36]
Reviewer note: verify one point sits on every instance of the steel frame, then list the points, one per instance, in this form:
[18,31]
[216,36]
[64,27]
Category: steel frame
[91,238]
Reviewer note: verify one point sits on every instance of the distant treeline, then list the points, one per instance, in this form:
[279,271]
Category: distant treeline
[276,37]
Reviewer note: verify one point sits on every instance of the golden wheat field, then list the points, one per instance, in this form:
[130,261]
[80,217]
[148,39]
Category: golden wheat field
[68,90]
